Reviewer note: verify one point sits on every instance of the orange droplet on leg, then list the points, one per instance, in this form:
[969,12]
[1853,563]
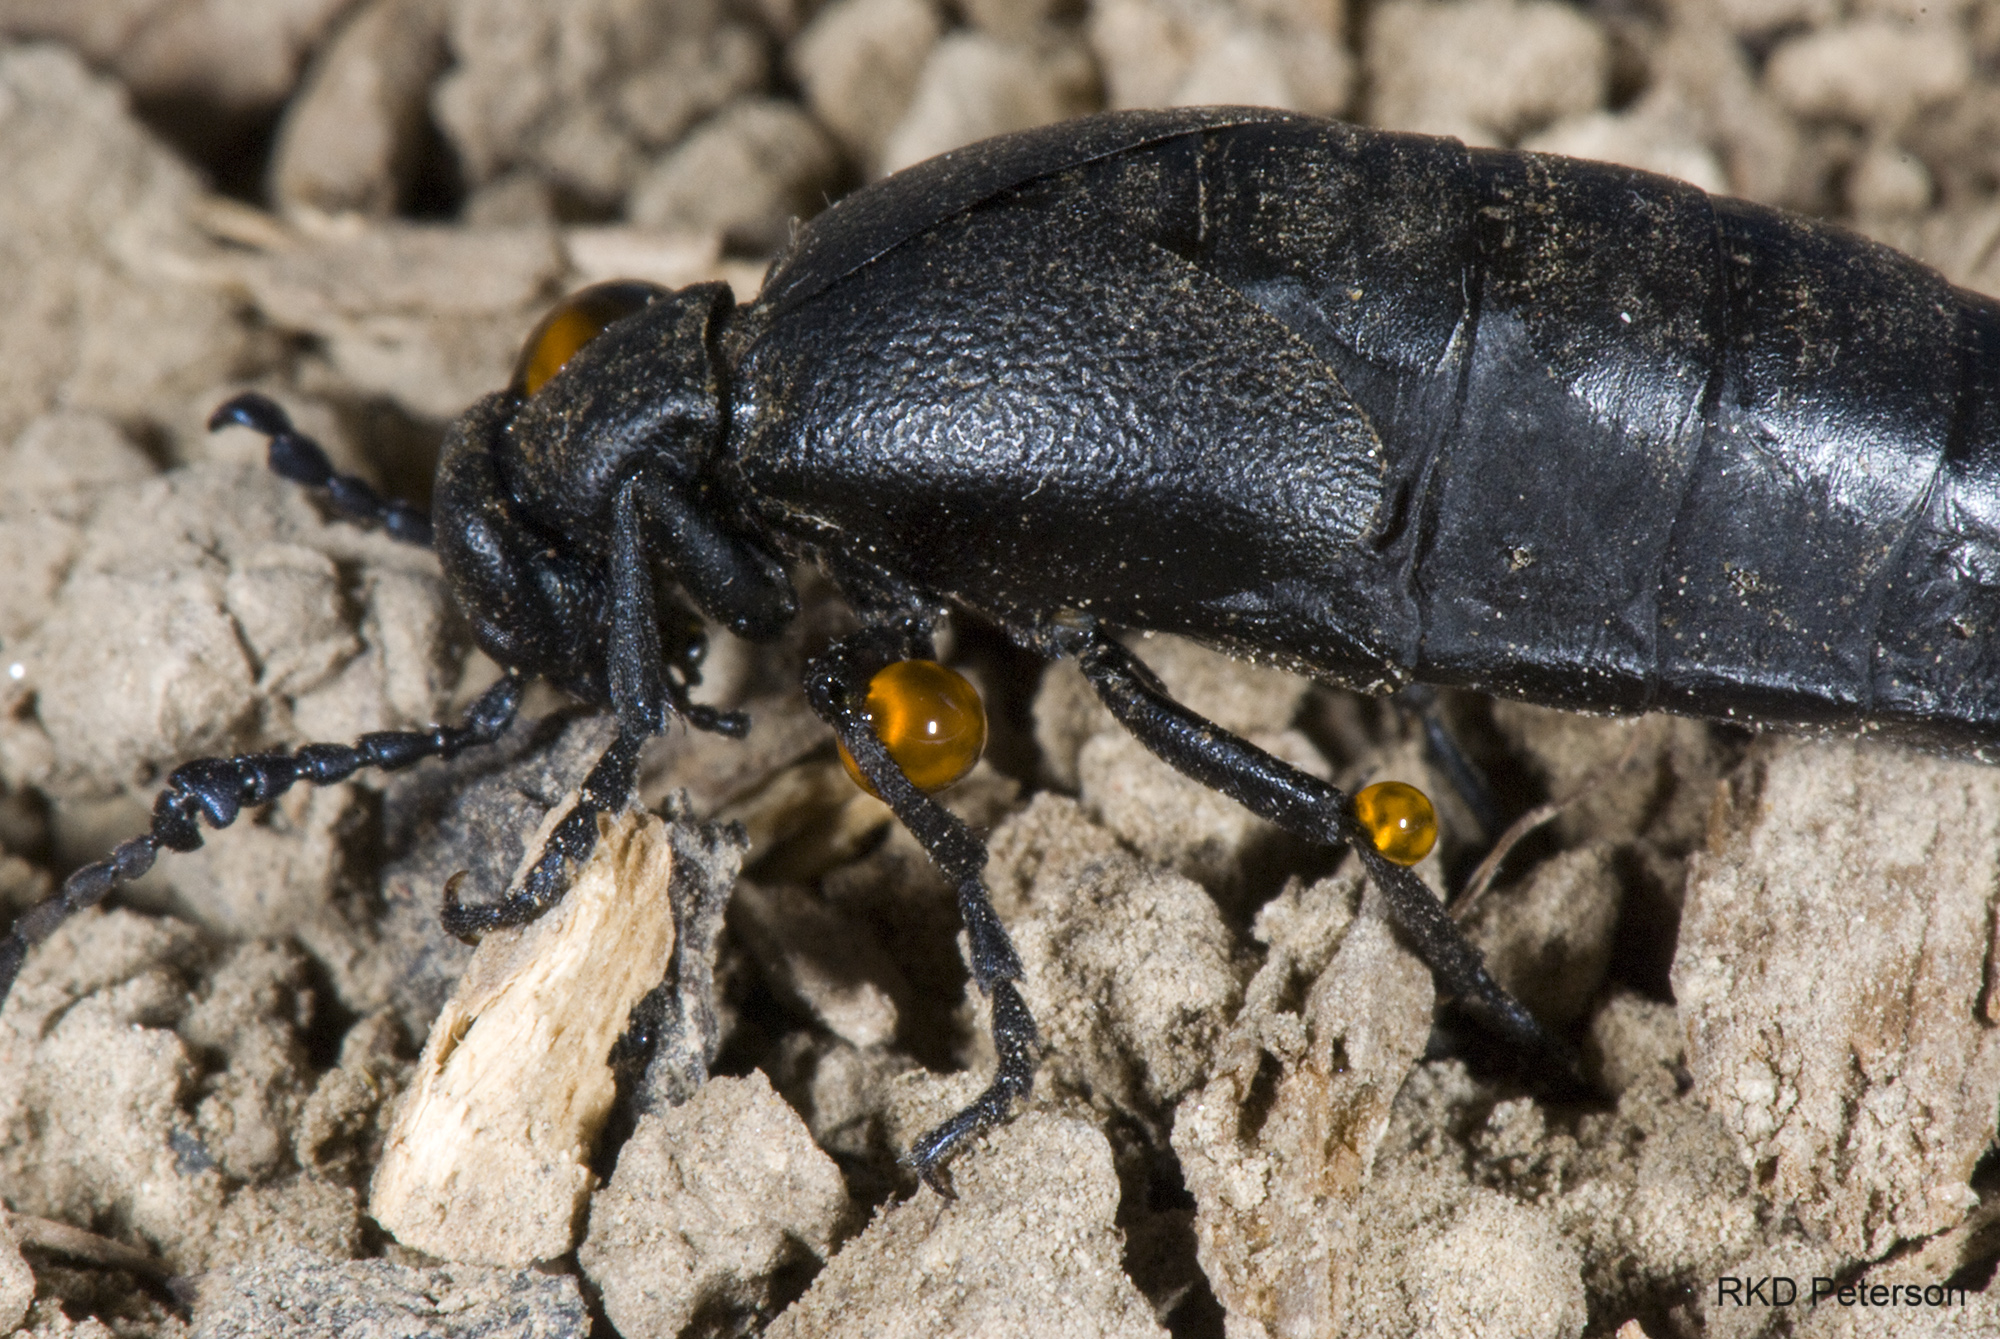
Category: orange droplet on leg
[929,718]
[1400,820]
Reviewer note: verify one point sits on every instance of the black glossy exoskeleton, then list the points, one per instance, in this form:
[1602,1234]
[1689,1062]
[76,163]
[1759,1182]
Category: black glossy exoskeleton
[1379,408]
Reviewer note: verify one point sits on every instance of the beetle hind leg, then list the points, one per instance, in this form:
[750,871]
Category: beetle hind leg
[837,686]
[1310,808]
[1449,756]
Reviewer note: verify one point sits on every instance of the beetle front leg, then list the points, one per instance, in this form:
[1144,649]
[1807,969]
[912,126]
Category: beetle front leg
[1307,807]
[837,687]
[606,790]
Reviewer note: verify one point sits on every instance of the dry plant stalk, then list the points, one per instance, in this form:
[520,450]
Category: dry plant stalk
[488,1158]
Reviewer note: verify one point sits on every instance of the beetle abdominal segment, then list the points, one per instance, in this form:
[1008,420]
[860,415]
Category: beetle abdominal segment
[1399,819]
[929,718]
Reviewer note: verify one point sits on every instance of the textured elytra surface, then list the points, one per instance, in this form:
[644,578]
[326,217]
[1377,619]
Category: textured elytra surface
[203,1073]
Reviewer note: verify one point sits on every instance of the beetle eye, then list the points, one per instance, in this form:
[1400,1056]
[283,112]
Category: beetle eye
[929,718]
[1399,819]
[574,322]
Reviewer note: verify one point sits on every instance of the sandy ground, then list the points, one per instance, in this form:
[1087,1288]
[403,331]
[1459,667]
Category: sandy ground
[220,1097]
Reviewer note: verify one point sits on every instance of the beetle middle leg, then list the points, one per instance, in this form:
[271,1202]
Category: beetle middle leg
[1307,807]
[837,688]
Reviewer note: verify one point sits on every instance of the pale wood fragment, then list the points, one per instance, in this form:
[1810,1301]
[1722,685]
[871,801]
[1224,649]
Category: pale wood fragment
[488,1157]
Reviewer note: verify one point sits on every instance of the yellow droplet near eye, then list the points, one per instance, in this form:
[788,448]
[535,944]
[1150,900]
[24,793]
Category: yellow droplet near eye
[573,323]
[929,718]
[1400,820]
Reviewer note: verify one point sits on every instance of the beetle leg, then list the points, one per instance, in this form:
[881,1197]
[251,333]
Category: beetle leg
[1310,808]
[632,656]
[218,789]
[604,791]
[837,686]
[1421,700]
[302,460]
[642,690]
[731,581]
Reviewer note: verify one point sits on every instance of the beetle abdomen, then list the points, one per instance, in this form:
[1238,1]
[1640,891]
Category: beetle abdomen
[1653,449]
[1393,408]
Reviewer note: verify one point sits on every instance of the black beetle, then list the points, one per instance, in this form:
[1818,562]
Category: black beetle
[1355,403]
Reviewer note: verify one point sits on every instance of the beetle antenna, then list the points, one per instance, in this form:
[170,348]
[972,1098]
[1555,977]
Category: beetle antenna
[216,790]
[304,461]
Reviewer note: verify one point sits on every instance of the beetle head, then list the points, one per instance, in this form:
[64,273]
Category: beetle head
[603,451]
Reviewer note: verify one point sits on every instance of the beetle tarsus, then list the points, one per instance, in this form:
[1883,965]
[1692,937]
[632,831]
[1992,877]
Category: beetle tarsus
[299,458]
[604,791]
[1014,1037]
[217,790]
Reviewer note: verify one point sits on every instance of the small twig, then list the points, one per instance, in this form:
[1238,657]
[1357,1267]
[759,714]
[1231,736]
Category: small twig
[46,1234]
[1489,868]
[229,220]
[1482,876]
